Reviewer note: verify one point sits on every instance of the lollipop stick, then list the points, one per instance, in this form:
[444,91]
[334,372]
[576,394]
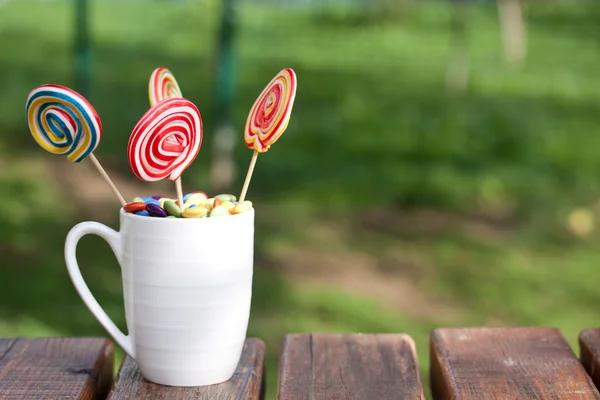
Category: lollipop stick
[248,176]
[107,179]
[179,192]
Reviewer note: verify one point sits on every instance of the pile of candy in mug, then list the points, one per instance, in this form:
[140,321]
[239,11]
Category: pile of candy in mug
[164,142]
[195,205]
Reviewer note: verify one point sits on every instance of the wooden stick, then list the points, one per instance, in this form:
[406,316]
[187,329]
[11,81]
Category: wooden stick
[96,163]
[248,176]
[179,192]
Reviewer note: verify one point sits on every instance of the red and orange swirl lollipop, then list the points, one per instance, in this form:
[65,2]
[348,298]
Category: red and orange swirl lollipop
[269,117]
[165,141]
[162,85]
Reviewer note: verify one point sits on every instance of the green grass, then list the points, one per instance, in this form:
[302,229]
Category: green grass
[373,133]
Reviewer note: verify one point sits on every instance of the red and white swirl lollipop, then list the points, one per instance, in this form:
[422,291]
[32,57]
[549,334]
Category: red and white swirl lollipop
[165,141]
[269,117]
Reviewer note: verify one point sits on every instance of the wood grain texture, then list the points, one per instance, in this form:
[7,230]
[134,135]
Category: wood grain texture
[589,350]
[247,382]
[335,367]
[55,368]
[506,363]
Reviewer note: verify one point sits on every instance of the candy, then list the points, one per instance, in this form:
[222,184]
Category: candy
[63,122]
[195,212]
[162,85]
[196,198]
[156,210]
[228,205]
[226,197]
[166,140]
[271,112]
[157,197]
[172,209]
[242,207]
[161,201]
[143,213]
[219,211]
[152,201]
[187,196]
[137,200]
[196,206]
[134,207]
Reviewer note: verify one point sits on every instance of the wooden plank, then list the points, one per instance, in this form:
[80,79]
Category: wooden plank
[506,363]
[247,382]
[589,350]
[334,366]
[55,368]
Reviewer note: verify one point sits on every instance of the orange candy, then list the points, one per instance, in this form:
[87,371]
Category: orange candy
[134,207]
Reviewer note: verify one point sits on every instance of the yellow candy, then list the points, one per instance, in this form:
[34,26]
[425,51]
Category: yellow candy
[210,201]
[242,207]
[208,206]
[195,212]
[228,205]
[196,198]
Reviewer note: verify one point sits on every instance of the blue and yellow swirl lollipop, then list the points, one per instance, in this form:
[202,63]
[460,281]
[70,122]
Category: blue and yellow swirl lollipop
[63,122]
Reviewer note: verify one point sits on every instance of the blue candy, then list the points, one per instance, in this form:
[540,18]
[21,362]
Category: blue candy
[147,198]
[143,213]
[152,201]
[187,196]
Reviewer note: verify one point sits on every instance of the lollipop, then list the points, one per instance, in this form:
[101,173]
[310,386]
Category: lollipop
[162,86]
[269,117]
[165,141]
[63,122]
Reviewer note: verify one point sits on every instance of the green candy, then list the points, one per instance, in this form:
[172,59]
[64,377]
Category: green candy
[172,209]
[219,211]
[226,197]
[170,216]
[138,200]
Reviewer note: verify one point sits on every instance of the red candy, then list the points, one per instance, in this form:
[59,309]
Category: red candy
[134,207]
[166,140]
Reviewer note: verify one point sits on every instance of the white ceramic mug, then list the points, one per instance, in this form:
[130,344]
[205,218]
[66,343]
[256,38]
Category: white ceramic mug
[187,285]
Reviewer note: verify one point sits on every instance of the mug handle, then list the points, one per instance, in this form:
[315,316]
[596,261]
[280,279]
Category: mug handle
[114,240]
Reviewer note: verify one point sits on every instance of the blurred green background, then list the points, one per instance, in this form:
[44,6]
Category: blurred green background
[439,168]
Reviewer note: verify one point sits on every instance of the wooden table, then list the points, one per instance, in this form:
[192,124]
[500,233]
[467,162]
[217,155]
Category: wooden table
[468,363]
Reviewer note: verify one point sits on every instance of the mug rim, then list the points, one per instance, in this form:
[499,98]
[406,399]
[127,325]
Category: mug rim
[122,212]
